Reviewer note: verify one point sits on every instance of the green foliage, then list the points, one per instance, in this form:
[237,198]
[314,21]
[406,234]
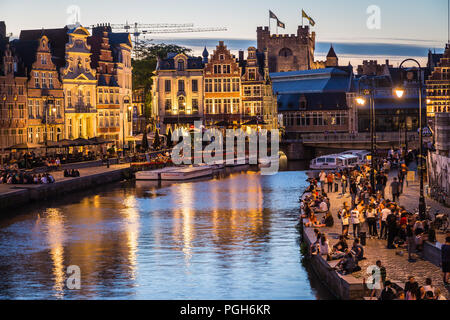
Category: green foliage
[144,65]
[157,141]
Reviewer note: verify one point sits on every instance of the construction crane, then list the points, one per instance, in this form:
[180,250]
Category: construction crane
[137,29]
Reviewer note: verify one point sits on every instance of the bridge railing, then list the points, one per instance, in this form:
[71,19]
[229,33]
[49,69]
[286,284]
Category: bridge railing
[358,137]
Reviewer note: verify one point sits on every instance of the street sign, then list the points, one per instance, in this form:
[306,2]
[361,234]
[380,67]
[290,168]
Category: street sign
[426,132]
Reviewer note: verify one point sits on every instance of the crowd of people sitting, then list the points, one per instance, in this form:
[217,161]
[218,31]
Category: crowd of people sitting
[371,214]
[24,177]
[411,291]
[71,173]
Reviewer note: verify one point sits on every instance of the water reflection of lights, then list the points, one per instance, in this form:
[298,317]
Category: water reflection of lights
[186,197]
[55,237]
[132,232]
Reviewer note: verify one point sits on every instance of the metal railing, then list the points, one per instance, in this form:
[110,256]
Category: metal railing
[358,137]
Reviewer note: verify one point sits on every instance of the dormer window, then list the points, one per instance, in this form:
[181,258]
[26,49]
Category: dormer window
[180,65]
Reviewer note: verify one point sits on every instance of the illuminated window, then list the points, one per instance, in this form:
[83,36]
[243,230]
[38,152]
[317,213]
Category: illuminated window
[208,85]
[194,85]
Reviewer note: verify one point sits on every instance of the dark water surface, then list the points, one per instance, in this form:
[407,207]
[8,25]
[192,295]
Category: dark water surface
[232,237]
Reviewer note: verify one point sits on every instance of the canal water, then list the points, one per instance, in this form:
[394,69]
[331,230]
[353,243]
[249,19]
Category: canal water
[232,237]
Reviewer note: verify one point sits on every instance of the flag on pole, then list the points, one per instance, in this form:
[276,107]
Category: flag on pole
[311,21]
[272,15]
[279,23]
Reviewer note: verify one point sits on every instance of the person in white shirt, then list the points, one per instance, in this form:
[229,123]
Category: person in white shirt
[323,180]
[429,285]
[323,207]
[324,246]
[384,214]
[356,223]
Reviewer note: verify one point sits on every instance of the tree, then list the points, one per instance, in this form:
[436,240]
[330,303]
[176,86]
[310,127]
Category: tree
[145,144]
[156,141]
[144,65]
[146,60]
[169,139]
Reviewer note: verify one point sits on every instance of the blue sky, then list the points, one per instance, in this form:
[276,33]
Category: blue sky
[415,23]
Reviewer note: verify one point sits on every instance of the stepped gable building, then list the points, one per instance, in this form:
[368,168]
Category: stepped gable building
[45,106]
[13,95]
[259,104]
[122,47]
[292,52]
[80,86]
[177,91]
[315,101]
[108,105]
[438,86]
[222,76]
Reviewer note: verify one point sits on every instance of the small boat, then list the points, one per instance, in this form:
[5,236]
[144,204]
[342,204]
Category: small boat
[363,155]
[266,162]
[187,173]
[153,174]
[334,162]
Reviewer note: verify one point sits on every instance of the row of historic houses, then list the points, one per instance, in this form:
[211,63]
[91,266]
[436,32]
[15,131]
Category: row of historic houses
[65,84]
[219,90]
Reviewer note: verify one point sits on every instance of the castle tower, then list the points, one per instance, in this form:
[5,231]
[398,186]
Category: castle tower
[332,59]
[288,52]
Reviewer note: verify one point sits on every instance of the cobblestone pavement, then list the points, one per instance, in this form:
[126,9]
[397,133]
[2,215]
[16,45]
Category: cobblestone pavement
[397,266]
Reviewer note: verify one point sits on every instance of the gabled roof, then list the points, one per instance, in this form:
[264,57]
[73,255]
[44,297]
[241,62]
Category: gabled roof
[120,38]
[331,53]
[57,39]
[169,63]
[26,50]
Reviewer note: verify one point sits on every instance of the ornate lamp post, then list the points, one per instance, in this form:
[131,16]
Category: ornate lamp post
[362,102]
[400,92]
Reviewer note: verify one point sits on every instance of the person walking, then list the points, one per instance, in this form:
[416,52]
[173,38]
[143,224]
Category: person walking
[395,190]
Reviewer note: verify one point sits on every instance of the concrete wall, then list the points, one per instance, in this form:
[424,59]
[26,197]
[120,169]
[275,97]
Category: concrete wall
[27,194]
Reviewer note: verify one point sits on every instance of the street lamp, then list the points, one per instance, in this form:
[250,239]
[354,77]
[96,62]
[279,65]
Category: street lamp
[399,92]
[362,102]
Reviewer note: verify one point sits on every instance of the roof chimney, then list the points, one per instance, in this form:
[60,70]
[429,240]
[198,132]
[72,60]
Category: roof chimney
[241,55]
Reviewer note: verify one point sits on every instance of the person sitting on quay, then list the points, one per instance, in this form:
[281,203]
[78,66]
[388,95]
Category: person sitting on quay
[338,250]
[313,222]
[348,264]
[71,173]
[358,250]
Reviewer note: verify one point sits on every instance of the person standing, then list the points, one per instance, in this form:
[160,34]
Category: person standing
[344,183]
[395,190]
[392,229]
[383,217]
[344,215]
[330,180]
[445,255]
[353,191]
[322,179]
[371,215]
[411,240]
[356,223]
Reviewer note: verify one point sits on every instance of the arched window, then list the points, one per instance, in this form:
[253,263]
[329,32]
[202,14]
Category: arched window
[181,104]
[285,52]
[180,65]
